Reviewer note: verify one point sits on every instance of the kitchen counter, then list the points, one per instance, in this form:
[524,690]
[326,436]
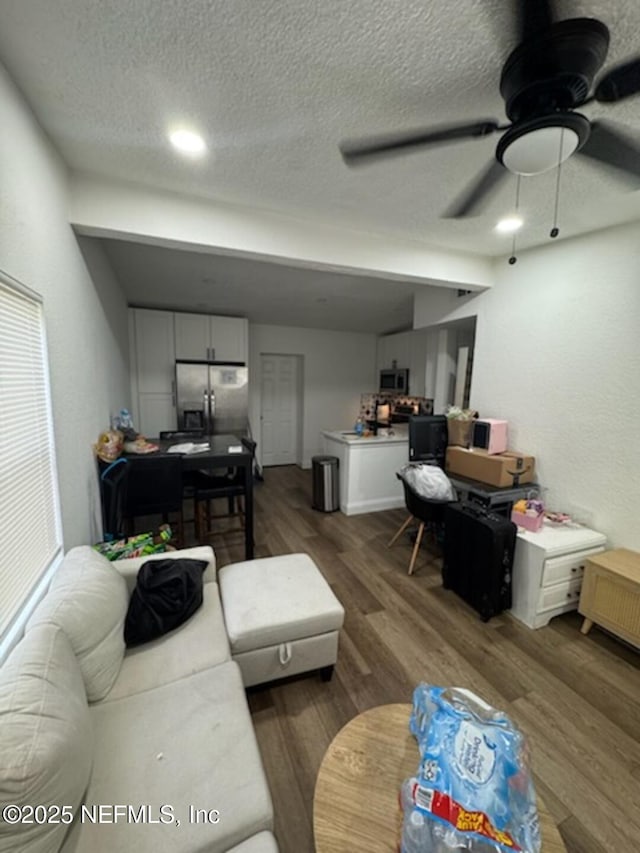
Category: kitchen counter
[367,468]
[350,437]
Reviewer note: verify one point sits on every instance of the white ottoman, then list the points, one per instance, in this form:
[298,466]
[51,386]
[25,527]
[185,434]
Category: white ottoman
[282,617]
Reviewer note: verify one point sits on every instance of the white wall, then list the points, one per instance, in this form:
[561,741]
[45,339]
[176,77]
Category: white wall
[102,208]
[85,310]
[557,353]
[337,368]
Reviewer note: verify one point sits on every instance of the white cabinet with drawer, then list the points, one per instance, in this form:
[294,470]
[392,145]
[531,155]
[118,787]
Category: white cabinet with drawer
[547,571]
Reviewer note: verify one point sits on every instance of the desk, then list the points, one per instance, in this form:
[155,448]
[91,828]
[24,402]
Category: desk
[217,456]
[498,499]
[355,805]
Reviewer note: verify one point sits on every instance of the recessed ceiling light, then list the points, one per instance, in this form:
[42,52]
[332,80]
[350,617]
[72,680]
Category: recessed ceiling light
[509,224]
[187,141]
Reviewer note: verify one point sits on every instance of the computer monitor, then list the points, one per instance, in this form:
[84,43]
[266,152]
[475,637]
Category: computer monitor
[428,436]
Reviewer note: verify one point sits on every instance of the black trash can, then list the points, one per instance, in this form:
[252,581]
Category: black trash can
[326,491]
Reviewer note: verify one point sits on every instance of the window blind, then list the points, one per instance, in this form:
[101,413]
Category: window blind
[30,528]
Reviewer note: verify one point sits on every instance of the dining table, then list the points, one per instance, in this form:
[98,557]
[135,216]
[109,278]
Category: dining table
[222,451]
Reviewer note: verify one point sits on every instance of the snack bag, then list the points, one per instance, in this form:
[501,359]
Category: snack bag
[473,790]
[137,546]
[109,445]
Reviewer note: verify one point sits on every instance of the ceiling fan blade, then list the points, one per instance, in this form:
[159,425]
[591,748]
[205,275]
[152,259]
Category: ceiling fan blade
[622,82]
[533,17]
[607,145]
[477,193]
[366,151]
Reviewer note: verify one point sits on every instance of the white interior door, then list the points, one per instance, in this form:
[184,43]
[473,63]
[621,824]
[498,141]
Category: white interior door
[279,413]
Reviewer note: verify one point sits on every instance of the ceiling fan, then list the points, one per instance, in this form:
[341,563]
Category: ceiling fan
[549,74]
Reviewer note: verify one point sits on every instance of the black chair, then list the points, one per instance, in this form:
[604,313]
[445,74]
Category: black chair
[424,512]
[113,496]
[213,485]
[154,487]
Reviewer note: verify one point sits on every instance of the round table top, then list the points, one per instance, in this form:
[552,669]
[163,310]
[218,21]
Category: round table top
[359,781]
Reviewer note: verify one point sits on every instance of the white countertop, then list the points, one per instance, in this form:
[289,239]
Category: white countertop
[400,436]
[562,538]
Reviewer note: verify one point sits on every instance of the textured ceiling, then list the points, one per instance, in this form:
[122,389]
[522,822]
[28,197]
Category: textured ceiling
[275,85]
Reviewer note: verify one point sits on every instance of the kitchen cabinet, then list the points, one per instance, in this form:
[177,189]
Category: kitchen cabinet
[367,469]
[156,412]
[152,353]
[204,337]
[392,348]
[548,568]
[154,350]
[407,349]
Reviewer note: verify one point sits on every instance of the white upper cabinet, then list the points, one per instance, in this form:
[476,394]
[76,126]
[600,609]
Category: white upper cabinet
[229,339]
[210,338]
[154,350]
[394,348]
[193,336]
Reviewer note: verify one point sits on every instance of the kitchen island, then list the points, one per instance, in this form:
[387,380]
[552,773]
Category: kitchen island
[367,468]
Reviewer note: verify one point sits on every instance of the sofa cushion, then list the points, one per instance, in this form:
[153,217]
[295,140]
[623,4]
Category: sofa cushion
[88,600]
[187,743]
[198,644]
[46,739]
[130,567]
[263,842]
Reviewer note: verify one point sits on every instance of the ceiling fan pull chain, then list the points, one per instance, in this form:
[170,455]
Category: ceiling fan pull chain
[513,257]
[555,230]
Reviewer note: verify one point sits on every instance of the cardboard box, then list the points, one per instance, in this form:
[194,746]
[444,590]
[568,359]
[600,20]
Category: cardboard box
[459,432]
[506,469]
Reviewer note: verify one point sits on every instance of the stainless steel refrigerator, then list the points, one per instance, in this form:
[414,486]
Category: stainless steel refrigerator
[213,397]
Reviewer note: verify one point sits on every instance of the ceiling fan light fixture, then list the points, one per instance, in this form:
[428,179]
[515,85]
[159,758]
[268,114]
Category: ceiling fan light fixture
[540,150]
[509,224]
[537,145]
[187,141]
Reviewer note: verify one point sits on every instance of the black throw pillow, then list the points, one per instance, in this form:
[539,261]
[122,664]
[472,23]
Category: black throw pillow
[166,594]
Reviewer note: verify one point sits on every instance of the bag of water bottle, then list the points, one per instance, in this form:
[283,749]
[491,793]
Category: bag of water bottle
[473,789]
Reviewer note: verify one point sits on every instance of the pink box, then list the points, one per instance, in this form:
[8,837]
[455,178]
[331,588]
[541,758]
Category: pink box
[490,434]
[532,523]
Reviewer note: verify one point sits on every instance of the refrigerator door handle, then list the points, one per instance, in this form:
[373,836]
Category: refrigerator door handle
[205,409]
[213,404]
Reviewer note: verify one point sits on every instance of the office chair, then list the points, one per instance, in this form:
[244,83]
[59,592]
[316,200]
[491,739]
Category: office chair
[422,510]
[154,487]
[209,486]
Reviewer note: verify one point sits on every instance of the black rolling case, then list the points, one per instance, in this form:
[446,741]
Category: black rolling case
[478,557]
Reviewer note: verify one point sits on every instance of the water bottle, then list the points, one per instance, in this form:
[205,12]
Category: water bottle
[359,427]
[126,421]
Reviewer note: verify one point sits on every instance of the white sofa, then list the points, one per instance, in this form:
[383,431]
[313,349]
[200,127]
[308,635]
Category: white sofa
[148,749]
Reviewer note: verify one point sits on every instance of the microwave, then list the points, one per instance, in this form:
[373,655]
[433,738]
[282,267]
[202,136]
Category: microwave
[395,380]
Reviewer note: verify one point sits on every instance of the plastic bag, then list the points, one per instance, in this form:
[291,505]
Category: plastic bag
[473,790]
[428,481]
[109,445]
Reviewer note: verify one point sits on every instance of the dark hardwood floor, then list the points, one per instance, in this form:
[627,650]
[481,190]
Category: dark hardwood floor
[577,698]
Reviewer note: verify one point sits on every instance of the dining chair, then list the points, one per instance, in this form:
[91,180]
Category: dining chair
[113,495]
[213,485]
[424,511]
[155,487]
